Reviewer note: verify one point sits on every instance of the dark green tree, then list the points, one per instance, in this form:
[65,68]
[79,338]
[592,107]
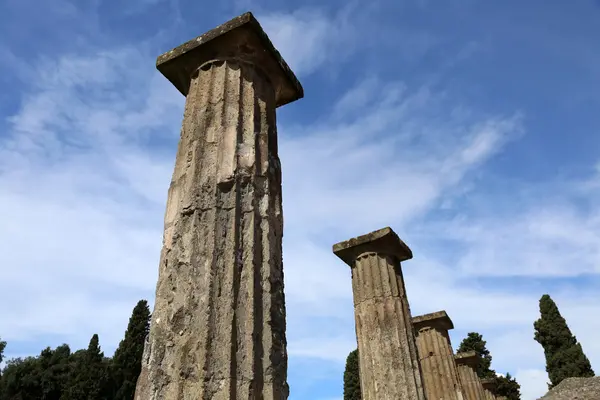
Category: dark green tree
[508,386]
[474,342]
[20,380]
[88,378]
[564,355]
[127,360]
[2,347]
[352,377]
[43,377]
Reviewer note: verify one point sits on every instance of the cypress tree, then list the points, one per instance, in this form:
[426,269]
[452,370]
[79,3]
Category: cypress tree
[88,379]
[564,355]
[508,386]
[127,360]
[352,377]
[474,342]
[53,371]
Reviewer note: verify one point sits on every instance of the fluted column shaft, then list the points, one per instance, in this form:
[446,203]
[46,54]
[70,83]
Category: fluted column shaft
[472,388]
[387,350]
[388,361]
[219,317]
[440,375]
[489,395]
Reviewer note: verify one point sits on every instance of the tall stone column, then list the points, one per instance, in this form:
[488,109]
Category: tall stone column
[218,326]
[489,388]
[440,375]
[388,362]
[467,372]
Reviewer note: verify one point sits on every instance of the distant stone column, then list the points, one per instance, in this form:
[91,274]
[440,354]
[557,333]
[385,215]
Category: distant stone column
[489,388]
[388,362]
[218,326]
[467,372]
[440,374]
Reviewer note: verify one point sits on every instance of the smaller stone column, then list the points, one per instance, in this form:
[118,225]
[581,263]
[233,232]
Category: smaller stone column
[388,361]
[489,388]
[467,372]
[440,375]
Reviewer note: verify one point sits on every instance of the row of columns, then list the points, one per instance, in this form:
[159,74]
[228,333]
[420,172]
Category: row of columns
[401,357]
[218,324]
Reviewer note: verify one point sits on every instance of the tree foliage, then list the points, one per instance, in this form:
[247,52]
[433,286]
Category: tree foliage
[43,377]
[127,360]
[564,355]
[83,375]
[2,347]
[352,377]
[88,378]
[508,386]
[474,342]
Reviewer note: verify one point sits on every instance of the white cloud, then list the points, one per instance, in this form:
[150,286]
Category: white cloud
[308,38]
[533,383]
[85,167]
[85,193]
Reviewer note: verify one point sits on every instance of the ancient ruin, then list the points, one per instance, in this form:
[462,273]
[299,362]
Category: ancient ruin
[388,362]
[467,365]
[218,326]
[575,389]
[489,388]
[440,374]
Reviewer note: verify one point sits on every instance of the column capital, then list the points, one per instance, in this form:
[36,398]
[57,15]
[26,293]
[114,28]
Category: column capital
[382,241]
[470,358]
[241,39]
[438,319]
[489,384]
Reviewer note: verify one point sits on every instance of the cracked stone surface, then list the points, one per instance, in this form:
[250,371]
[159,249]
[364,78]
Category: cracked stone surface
[575,389]
[218,325]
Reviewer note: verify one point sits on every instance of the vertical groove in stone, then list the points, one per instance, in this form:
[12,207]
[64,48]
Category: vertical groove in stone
[470,383]
[388,367]
[219,312]
[438,367]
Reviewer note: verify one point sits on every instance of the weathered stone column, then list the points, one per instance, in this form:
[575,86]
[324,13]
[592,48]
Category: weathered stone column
[218,326]
[467,365]
[440,375]
[389,367]
[489,388]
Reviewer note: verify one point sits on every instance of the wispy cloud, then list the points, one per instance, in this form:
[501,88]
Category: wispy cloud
[309,38]
[88,152]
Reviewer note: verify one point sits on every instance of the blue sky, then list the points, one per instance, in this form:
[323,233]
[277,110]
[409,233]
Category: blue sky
[469,127]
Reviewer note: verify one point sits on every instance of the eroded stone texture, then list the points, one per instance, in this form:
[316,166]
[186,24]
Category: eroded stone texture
[467,373]
[489,388]
[440,375]
[388,362]
[575,389]
[218,326]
